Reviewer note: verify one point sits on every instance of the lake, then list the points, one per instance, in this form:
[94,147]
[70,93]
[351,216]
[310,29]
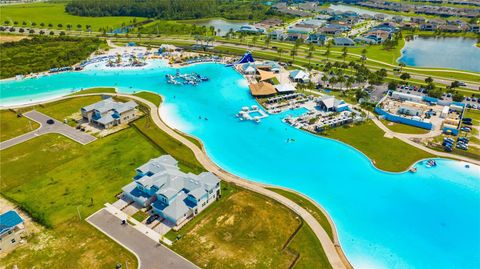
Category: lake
[442,52]
[222,26]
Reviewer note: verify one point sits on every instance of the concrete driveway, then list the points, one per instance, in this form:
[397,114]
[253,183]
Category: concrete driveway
[149,253]
[45,128]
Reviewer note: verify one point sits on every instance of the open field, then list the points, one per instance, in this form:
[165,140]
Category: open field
[389,154]
[310,207]
[403,128]
[152,97]
[12,126]
[11,38]
[64,177]
[63,109]
[95,90]
[54,13]
[224,239]
[187,161]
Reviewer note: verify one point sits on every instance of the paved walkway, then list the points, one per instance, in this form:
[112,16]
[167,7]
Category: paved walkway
[150,254]
[45,128]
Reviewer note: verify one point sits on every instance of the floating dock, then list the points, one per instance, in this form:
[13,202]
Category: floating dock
[252,113]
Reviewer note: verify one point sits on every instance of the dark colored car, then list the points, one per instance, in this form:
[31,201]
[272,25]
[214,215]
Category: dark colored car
[50,121]
[152,218]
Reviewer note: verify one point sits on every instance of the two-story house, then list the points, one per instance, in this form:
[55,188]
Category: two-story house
[174,195]
[108,113]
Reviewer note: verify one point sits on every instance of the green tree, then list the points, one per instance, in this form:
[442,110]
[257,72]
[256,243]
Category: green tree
[267,41]
[429,80]
[404,77]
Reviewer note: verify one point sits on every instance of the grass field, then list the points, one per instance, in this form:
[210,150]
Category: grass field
[223,238]
[64,177]
[152,97]
[403,128]
[63,109]
[389,154]
[55,14]
[12,126]
[95,90]
[310,207]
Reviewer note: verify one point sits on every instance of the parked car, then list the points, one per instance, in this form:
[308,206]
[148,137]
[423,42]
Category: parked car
[466,129]
[461,146]
[152,218]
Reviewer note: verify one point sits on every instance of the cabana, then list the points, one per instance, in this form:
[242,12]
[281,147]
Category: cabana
[262,89]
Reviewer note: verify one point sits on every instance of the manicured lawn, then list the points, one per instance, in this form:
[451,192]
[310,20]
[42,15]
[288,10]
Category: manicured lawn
[95,90]
[245,229]
[389,154]
[140,215]
[55,14]
[403,128]
[12,126]
[310,207]
[149,96]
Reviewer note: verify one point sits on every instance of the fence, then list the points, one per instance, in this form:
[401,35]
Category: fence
[398,119]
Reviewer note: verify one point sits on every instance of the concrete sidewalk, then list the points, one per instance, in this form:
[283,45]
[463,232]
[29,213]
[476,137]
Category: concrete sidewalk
[150,254]
[45,128]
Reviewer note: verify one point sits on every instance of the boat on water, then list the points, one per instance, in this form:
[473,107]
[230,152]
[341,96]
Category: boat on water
[431,163]
[413,170]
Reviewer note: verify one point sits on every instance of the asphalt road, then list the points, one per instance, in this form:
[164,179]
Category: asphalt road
[45,128]
[149,253]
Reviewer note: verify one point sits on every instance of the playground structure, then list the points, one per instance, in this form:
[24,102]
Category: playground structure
[185,79]
[252,113]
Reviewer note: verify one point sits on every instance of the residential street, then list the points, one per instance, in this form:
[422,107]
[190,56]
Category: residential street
[150,255]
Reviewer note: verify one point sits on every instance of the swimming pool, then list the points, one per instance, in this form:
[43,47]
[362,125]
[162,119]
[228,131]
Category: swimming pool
[429,219]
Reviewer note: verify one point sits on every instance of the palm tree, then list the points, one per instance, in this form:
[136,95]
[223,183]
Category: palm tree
[280,51]
[344,53]
[293,53]
[309,57]
[254,40]
[327,53]
[79,27]
[402,65]
[364,55]
[69,27]
[267,41]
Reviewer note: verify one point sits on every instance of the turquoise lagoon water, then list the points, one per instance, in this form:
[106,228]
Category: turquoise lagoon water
[442,52]
[430,219]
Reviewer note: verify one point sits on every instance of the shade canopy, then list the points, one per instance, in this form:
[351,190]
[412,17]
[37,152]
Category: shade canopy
[262,89]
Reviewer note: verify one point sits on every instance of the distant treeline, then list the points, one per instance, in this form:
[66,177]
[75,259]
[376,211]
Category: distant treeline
[43,53]
[171,9]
